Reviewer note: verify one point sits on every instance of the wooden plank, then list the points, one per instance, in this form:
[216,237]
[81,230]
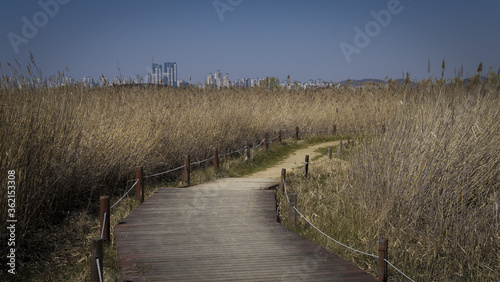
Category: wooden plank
[222,230]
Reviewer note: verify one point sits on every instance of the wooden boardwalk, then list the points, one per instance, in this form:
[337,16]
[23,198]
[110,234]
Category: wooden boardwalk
[224,230]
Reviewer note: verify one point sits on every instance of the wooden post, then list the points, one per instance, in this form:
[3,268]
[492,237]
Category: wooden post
[382,254]
[139,188]
[187,170]
[247,152]
[279,136]
[340,147]
[329,152]
[265,142]
[216,159]
[348,141]
[104,212]
[383,128]
[95,253]
[292,214]
[306,166]
[297,133]
[334,129]
[283,179]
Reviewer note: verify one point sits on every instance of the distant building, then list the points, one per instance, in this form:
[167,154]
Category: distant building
[157,75]
[209,80]
[170,75]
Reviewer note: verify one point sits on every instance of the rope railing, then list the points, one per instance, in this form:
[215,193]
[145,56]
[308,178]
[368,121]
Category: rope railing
[260,144]
[230,153]
[103,226]
[125,194]
[407,277]
[99,269]
[274,138]
[140,193]
[326,235]
[164,172]
[329,237]
[200,162]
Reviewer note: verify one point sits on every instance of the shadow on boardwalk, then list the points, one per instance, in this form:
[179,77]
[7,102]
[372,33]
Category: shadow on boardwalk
[224,230]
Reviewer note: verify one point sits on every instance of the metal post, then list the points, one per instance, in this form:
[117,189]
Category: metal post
[329,152]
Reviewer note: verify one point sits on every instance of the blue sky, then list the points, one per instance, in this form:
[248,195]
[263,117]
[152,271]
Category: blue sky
[253,38]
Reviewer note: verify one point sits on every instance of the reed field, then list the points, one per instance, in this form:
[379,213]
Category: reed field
[430,183]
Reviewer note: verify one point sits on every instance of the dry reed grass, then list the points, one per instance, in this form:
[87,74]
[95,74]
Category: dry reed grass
[69,145]
[431,184]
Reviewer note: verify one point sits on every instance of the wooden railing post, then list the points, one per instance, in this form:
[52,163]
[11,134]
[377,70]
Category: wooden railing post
[247,152]
[329,152]
[306,166]
[279,137]
[340,147]
[382,256]
[297,133]
[139,188]
[334,129]
[216,159]
[187,170]
[283,179]
[292,214]
[95,253]
[104,212]
[265,142]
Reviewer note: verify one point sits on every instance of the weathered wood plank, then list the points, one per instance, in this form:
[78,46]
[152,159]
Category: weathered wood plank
[223,230]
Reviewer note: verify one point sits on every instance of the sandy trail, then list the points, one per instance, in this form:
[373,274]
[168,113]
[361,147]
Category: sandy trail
[293,161]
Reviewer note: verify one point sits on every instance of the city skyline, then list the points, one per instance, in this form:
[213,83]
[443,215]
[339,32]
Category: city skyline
[327,40]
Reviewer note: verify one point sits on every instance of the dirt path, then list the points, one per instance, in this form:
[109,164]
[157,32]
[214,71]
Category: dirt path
[293,161]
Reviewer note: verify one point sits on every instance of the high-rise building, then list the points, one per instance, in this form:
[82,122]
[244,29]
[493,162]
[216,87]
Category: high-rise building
[157,74]
[209,80]
[170,74]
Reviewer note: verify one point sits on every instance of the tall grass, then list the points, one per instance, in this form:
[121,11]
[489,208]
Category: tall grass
[431,184]
[69,145]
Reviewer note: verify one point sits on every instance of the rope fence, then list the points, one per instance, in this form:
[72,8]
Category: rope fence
[103,225]
[292,205]
[119,200]
[164,172]
[105,208]
[99,269]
